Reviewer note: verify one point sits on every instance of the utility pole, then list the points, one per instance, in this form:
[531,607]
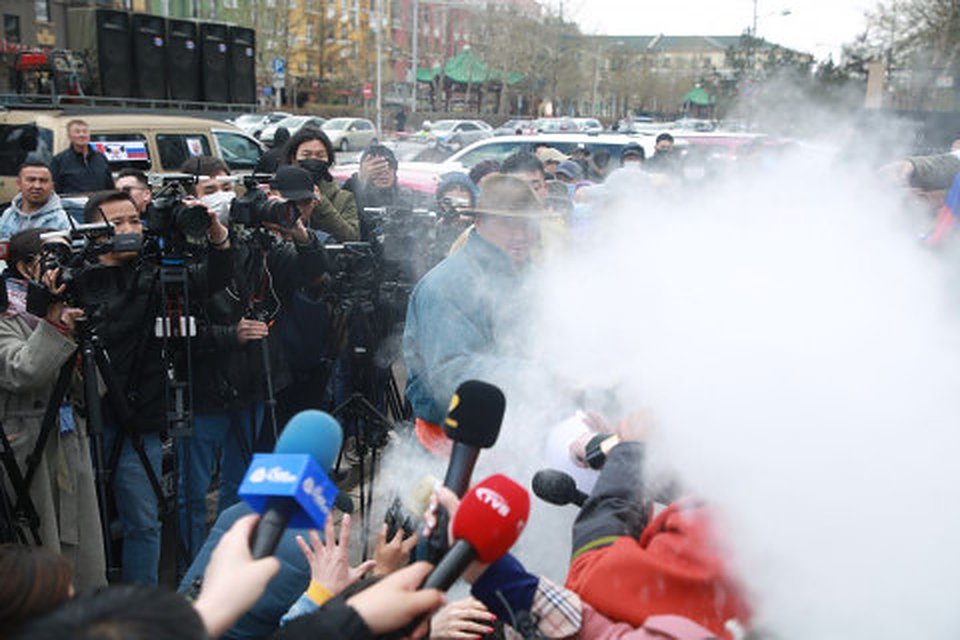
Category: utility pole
[379,19]
[414,63]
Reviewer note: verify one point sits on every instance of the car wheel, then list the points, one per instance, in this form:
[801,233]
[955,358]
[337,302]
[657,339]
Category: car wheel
[344,145]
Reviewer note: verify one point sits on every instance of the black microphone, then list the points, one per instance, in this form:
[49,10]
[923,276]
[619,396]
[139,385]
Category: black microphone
[557,487]
[473,423]
[343,503]
[598,448]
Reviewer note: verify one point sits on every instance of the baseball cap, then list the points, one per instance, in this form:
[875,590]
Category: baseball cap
[293,183]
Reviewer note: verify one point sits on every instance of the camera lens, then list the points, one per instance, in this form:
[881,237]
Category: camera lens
[193,221]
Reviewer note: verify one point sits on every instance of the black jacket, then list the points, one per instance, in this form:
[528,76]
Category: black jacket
[75,173]
[230,376]
[123,304]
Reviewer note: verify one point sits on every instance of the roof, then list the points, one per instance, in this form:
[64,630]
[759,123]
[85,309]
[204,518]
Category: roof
[466,67]
[699,97]
[667,44]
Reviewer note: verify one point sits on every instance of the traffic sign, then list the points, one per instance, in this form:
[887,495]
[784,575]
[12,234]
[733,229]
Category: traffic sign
[279,65]
[367,91]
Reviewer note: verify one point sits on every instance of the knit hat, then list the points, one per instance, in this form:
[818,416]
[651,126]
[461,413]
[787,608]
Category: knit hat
[379,151]
[569,169]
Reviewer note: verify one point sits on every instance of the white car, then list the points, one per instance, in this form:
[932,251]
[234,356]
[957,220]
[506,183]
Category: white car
[292,124]
[458,133]
[350,133]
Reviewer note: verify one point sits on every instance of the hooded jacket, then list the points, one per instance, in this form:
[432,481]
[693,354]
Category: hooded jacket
[51,215]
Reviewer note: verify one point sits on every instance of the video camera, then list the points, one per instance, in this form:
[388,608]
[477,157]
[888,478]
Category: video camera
[171,220]
[254,207]
[76,252]
[353,270]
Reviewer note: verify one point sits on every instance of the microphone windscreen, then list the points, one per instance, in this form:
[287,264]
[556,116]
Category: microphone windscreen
[491,516]
[555,487]
[475,413]
[314,432]
[343,503]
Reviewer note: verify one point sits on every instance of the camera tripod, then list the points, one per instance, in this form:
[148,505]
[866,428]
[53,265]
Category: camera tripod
[374,404]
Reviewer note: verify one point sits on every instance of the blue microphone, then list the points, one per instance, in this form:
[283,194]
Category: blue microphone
[290,487]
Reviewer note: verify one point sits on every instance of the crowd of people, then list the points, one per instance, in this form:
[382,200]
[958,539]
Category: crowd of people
[266,345]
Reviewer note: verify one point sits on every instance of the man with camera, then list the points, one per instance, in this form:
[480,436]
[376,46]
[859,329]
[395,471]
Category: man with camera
[375,184]
[239,361]
[121,296]
[51,456]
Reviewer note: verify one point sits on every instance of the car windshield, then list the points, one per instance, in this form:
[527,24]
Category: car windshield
[292,122]
[248,118]
[337,123]
[444,125]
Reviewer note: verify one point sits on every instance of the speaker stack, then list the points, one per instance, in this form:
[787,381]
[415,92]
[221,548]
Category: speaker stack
[149,42]
[183,61]
[147,56]
[102,37]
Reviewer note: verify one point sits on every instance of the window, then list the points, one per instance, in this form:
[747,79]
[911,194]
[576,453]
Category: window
[174,148]
[42,9]
[17,140]
[239,152]
[497,150]
[123,150]
[11,27]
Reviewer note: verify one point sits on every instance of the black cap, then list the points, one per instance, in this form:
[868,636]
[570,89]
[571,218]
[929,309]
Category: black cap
[293,183]
[633,149]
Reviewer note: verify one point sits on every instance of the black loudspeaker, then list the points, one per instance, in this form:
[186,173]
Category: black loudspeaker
[102,36]
[214,62]
[243,76]
[183,61]
[149,41]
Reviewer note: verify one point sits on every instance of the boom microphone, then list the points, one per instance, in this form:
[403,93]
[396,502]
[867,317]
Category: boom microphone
[488,522]
[290,485]
[557,487]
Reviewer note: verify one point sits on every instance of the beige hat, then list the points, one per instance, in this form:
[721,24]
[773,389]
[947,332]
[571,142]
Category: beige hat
[549,154]
[503,195]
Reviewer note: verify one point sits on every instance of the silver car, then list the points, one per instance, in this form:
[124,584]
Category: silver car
[350,133]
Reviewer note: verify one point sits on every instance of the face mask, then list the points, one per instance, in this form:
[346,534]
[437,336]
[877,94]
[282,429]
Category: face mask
[319,169]
[219,202]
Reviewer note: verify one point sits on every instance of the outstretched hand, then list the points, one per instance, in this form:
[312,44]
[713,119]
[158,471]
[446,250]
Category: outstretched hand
[329,558]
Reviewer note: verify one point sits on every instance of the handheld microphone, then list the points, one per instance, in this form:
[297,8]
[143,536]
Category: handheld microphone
[473,423]
[290,485]
[557,487]
[488,522]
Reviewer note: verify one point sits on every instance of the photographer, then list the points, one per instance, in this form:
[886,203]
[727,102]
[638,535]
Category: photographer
[122,297]
[274,255]
[33,349]
[335,210]
[375,184]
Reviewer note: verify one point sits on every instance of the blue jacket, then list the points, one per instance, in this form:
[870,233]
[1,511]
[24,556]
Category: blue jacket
[455,325]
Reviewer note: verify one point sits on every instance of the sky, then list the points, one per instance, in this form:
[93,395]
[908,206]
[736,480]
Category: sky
[819,27]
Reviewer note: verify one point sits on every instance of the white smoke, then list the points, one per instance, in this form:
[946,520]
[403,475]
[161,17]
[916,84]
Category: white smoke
[801,350]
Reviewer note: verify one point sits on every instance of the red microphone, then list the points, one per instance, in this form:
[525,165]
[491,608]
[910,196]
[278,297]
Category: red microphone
[489,520]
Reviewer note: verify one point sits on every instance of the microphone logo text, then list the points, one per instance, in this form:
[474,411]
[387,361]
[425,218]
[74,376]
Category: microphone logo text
[273,474]
[494,500]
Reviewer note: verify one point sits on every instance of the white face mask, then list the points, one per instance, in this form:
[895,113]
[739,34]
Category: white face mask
[219,202]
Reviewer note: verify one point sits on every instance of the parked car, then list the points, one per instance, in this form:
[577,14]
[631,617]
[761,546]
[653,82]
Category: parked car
[293,124]
[149,142]
[588,125]
[255,123]
[350,133]
[515,126]
[458,133]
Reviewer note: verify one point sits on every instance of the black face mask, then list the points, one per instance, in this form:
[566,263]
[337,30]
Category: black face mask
[319,169]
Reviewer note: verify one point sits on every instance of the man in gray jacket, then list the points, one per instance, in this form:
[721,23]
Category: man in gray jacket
[36,205]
